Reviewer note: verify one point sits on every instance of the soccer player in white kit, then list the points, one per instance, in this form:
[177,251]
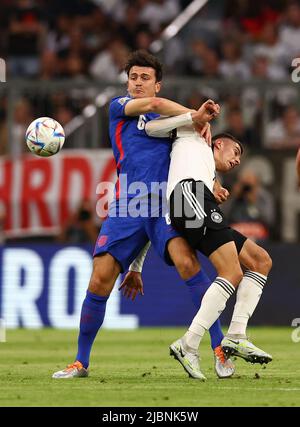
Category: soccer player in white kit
[194,162]
[193,166]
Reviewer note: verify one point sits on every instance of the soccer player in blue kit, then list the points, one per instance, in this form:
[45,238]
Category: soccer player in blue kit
[139,159]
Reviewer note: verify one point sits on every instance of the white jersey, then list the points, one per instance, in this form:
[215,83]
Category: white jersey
[192,158]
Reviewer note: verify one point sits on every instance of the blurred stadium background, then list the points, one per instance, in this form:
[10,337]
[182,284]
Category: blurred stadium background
[64,60]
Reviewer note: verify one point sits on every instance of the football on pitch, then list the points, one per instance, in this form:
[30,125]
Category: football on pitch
[45,137]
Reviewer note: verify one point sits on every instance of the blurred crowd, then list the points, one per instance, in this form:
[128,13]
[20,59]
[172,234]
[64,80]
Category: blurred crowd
[79,38]
[235,41]
[85,40]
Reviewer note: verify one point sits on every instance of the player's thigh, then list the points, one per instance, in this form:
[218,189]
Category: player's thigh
[122,238]
[184,257]
[255,258]
[225,260]
[171,247]
[238,238]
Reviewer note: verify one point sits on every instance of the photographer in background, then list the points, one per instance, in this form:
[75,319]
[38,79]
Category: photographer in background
[298,168]
[252,207]
[81,227]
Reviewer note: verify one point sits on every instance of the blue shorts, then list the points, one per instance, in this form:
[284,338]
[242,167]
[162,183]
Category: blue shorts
[124,238]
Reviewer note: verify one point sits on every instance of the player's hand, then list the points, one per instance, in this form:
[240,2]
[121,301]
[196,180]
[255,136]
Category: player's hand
[221,195]
[205,132]
[208,111]
[132,285]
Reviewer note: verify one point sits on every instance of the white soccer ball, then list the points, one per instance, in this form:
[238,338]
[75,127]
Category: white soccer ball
[45,137]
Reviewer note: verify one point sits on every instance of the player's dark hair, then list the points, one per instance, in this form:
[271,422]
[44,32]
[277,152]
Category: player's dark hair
[142,58]
[225,135]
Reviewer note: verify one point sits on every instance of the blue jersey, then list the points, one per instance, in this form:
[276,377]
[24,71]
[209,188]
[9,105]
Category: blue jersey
[145,160]
[141,157]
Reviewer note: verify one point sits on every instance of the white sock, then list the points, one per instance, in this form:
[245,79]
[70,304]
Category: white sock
[247,297]
[212,305]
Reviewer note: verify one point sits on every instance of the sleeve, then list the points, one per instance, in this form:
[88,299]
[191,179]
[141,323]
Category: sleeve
[137,264]
[163,126]
[117,107]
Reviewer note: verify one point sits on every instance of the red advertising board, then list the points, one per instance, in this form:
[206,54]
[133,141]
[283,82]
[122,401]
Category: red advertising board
[38,194]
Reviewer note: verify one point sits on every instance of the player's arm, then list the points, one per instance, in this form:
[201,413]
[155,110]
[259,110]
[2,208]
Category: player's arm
[137,264]
[161,127]
[162,106]
[132,283]
[166,107]
[298,167]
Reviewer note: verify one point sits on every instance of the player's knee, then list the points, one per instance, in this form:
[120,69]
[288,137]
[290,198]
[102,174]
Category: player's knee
[261,262]
[265,263]
[233,275]
[236,276]
[100,285]
[187,266]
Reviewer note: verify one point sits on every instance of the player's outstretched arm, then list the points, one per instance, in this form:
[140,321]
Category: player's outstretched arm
[162,106]
[161,127]
[137,264]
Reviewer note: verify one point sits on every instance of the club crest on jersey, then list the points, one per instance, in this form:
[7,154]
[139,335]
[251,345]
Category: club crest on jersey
[123,100]
[216,217]
[101,241]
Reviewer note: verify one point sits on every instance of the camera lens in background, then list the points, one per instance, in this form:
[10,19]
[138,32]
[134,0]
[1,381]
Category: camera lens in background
[84,215]
[246,188]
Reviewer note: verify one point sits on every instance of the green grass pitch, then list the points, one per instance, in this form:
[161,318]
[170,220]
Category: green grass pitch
[133,368]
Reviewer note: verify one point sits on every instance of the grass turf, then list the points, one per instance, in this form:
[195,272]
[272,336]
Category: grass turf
[133,368]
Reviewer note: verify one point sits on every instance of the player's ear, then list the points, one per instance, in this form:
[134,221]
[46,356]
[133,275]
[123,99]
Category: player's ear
[218,144]
[157,87]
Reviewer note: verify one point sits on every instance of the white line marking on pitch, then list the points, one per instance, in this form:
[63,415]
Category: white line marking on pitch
[259,389]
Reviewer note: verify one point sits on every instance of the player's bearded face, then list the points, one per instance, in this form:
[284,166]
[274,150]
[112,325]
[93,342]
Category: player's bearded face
[142,82]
